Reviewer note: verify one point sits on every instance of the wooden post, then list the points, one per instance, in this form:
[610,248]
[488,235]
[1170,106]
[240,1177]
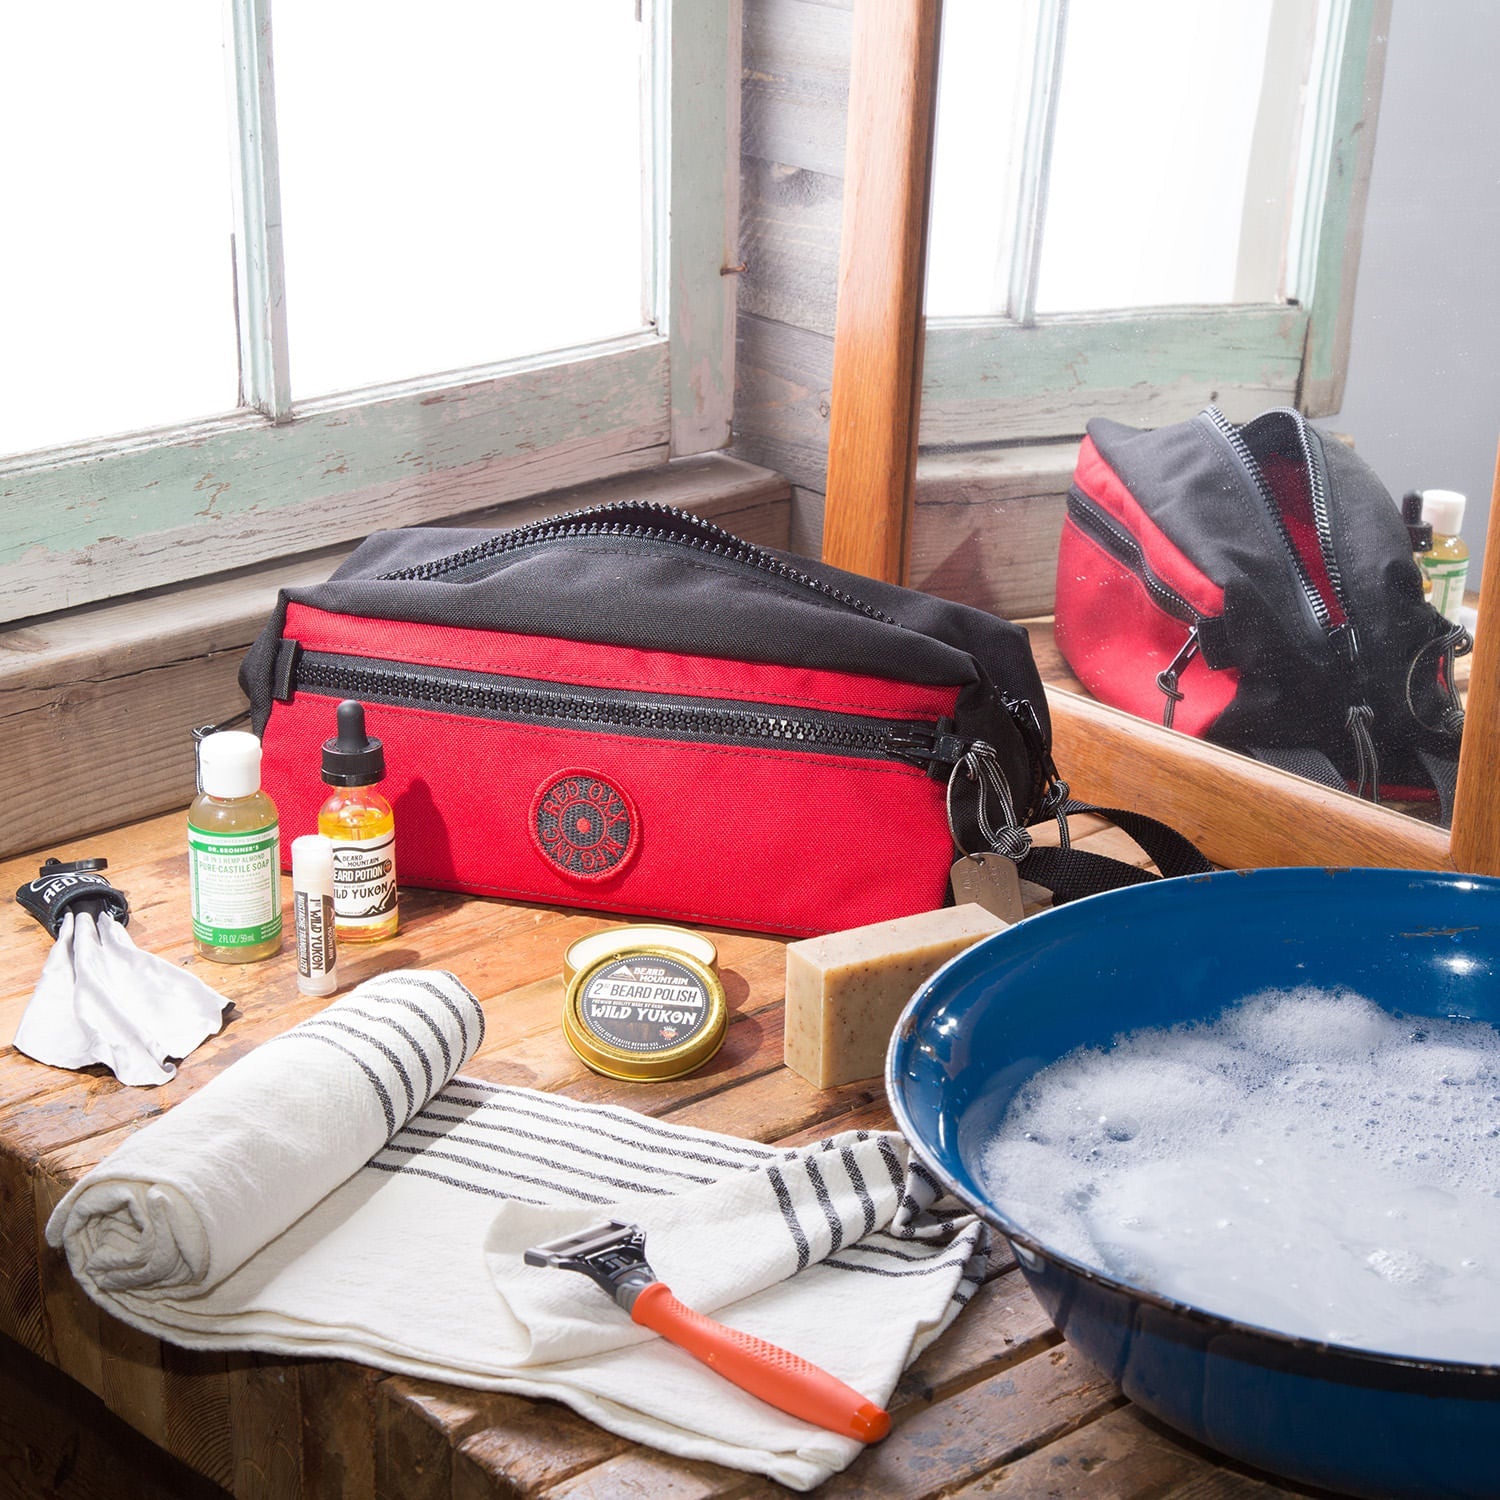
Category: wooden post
[1476,805]
[877,352]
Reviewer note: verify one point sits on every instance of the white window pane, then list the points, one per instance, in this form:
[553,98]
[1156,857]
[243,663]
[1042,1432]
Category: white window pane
[1157,116]
[461,182]
[983,72]
[116,280]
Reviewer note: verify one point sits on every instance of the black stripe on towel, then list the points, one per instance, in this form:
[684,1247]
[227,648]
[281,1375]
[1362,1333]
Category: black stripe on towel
[789,1213]
[318,1022]
[453,1137]
[929,1269]
[363,1066]
[488,1170]
[437,993]
[893,1166]
[378,1018]
[407,1169]
[473,1122]
[565,1121]
[866,1202]
[835,1224]
[890,1250]
[437,1031]
[918,1170]
[634,1123]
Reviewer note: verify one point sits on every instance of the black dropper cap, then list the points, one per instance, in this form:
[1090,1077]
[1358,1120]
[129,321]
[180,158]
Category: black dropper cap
[352,758]
[1418,531]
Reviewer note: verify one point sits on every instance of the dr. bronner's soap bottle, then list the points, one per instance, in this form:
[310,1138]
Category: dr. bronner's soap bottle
[362,828]
[1447,565]
[234,854]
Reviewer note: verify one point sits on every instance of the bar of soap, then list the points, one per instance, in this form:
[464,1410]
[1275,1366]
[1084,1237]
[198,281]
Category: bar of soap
[846,991]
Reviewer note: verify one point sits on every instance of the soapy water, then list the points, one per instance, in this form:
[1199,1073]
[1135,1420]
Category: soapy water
[1307,1162]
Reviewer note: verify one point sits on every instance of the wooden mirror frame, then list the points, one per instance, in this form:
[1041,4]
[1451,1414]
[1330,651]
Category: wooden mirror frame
[1240,813]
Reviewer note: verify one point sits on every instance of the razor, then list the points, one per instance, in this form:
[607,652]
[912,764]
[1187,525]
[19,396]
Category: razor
[613,1255]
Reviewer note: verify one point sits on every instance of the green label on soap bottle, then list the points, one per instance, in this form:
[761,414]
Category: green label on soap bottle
[236,886]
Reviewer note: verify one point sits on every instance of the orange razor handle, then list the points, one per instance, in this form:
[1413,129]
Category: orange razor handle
[775,1375]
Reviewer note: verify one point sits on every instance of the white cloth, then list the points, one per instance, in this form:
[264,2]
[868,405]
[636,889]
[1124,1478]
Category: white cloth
[339,1193]
[103,1000]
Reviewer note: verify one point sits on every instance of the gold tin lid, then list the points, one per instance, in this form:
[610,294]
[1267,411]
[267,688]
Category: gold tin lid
[596,945]
[647,1013]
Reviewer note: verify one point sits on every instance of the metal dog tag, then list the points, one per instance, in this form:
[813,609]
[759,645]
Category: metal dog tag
[990,881]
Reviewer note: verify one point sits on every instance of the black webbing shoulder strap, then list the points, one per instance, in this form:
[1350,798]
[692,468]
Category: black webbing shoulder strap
[1070,873]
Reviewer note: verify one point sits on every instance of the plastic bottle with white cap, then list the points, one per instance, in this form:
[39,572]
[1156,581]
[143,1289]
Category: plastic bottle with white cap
[1446,566]
[234,853]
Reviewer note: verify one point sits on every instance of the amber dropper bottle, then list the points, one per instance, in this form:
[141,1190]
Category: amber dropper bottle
[362,828]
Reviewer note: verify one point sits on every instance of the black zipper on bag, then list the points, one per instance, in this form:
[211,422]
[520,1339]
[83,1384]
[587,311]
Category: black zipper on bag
[1343,639]
[930,745]
[678,528]
[1124,548]
[1250,471]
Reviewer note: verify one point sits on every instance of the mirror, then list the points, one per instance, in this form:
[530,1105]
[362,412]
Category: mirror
[1239,811]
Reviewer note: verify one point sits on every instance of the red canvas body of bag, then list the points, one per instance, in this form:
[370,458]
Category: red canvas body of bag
[630,710]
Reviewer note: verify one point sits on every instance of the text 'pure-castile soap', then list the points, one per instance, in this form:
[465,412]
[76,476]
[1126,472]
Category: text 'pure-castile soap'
[359,823]
[234,853]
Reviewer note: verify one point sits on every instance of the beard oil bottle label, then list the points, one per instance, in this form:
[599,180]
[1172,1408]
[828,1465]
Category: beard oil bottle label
[364,881]
[236,888]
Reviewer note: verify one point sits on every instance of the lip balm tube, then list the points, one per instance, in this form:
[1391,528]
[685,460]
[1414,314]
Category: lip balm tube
[312,909]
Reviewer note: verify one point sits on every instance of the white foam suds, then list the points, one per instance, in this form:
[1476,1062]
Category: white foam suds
[1308,1162]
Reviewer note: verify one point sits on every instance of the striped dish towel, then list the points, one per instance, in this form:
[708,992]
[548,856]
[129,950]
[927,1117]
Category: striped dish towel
[343,1192]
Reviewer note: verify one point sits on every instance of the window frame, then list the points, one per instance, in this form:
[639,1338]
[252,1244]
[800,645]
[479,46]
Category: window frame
[991,378]
[276,477]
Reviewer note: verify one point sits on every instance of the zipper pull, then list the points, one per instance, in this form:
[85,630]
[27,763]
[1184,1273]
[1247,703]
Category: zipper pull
[1345,642]
[1055,791]
[1166,679]
[1366,760]
[936,752]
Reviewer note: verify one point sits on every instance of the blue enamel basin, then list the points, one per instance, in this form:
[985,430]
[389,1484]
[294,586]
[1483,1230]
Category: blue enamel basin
[1421,943]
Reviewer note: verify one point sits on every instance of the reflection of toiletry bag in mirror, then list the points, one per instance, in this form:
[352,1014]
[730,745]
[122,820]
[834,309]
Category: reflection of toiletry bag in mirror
[629,709]
[1254,585]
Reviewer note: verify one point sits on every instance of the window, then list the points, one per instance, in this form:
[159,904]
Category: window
[1138,209]
[452,254]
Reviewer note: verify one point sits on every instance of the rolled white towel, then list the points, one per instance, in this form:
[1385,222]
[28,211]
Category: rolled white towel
[190,1200]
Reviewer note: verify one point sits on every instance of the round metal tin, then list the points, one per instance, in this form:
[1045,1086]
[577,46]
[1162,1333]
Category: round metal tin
[610,940]
[646,1013]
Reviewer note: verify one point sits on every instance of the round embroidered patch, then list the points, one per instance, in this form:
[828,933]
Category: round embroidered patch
[584,825]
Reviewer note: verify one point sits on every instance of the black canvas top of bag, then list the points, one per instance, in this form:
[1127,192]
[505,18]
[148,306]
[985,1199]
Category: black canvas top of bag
[652,576]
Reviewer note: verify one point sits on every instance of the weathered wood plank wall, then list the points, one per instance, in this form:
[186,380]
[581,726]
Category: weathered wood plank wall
[987,520]
[793,114]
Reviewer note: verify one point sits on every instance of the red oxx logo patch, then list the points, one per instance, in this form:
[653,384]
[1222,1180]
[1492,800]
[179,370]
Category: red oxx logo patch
[584,825]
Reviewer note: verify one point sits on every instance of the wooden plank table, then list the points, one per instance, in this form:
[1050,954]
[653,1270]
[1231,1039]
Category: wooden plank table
[1000,1406]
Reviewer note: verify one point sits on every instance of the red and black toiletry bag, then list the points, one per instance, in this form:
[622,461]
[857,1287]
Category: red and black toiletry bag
[1254,585]
[629,709]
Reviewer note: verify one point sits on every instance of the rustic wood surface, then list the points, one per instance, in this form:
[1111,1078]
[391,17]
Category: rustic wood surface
[998,1405]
